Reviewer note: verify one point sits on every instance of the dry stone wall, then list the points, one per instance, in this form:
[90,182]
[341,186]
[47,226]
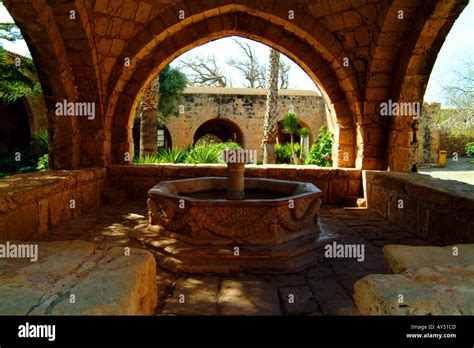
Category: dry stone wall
[135,180]
[30,204]
[244,108]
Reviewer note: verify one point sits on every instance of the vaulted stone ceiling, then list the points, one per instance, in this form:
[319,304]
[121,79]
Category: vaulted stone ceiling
[361,52]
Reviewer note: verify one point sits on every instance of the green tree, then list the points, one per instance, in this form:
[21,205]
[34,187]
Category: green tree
[159,102]
[18,76]
[290,126]
[320,153]
[10,32]
[172,84]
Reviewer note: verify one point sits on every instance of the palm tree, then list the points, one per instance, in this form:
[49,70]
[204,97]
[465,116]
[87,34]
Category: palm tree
[161,101]
[149,120]
[270,124]
[290,126]
[304,133]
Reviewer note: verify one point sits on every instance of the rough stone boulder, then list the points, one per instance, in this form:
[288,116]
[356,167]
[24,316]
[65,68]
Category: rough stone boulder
[437,290]
[399,258]
[103,281]
[429,281]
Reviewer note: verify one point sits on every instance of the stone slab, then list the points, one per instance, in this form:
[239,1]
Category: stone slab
[103,281]
[399,258]
[437,290]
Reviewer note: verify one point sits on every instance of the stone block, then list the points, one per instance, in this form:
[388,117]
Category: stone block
[378,200]
[354,188]
[3,227]
[398,258]
[104,282]
[446,228]
[438,290]
[337,190]
[22,223]
[43,217]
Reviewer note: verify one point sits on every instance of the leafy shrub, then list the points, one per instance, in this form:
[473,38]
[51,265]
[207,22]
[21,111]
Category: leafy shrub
[470,148]
[171,156]
[43,163]
[147,160]
[283,152]
[42,142]
[208,153]
[203,154]
[320,153]
[229,145]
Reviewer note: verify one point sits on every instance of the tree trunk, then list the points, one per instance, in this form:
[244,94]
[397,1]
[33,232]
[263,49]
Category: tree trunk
[270,122]
[293,154]
[149,121]
[302,141]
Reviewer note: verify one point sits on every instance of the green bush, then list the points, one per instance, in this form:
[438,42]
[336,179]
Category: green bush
[470,148]
[42,142]
[43,163]
[208,153]
[147,160]
[229,145]
[320,153]
[203,154]
[283,153]
[171,156]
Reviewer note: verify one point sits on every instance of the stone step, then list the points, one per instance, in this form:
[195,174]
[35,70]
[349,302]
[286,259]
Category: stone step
[293,256]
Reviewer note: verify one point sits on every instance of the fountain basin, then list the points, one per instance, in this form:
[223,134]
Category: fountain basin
[273,229]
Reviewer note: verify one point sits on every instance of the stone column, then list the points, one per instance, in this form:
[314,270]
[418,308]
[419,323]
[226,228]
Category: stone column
[149,120]
[235,181]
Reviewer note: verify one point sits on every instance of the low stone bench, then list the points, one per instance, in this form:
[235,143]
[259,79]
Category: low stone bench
[428,281]
[102,281]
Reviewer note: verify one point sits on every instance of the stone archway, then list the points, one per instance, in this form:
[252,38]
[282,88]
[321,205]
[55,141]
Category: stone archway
[223,129]
[360,53]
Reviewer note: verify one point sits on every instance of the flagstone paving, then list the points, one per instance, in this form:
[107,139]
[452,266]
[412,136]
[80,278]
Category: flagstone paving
[323,289]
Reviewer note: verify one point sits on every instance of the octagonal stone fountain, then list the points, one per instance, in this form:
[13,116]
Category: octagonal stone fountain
[230,225]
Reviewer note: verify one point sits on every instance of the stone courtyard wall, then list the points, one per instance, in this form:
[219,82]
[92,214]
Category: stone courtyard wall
[438,211]
[244,107]
[135,180]
[30,204]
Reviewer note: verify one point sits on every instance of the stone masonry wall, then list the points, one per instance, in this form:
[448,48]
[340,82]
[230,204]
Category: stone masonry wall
[245,108]
[30,204]
[135,180]
[440,212]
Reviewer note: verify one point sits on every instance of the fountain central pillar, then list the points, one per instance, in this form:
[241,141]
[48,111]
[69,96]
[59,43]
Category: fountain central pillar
[235,181]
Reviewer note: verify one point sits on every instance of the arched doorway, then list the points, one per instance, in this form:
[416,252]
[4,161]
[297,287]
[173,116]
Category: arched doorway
[222,129]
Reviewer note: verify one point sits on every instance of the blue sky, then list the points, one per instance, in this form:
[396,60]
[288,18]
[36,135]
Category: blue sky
[458,45]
